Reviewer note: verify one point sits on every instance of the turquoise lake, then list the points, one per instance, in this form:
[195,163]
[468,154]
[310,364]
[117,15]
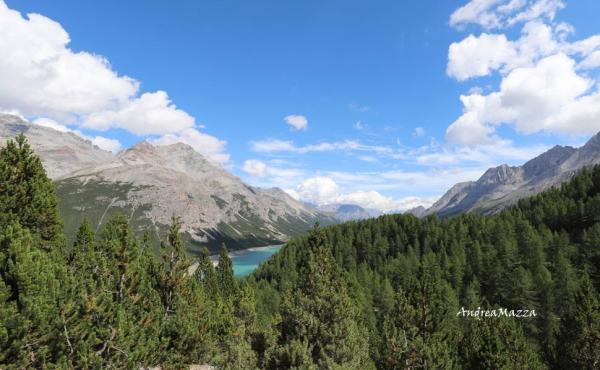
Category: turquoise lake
[247,260]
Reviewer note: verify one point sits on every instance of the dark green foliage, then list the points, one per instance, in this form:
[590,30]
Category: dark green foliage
[408,278]
[225,279]
[319,324]
[27,195]
[30,316]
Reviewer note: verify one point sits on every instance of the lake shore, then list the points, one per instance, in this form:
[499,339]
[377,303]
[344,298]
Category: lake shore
[246,260]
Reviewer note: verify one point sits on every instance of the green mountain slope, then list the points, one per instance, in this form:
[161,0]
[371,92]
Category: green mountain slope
[411,278]
[97,200]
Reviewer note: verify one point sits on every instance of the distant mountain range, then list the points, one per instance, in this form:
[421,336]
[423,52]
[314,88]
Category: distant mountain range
[150,183]
[348,212]
[504,185]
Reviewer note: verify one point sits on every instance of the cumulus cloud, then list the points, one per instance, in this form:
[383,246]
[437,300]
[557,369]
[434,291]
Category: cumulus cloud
[112,145]
[297,122]
[318,190]
[322,190]
[544,84]
[254,167]
[374,200]
[477,56]
[151,113]
[41,77]
[549,97]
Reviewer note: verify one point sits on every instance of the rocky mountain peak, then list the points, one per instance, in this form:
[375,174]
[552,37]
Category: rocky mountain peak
[591,149]
[497,175]
[6,118]
[547,160]
[140,154]
[61,152]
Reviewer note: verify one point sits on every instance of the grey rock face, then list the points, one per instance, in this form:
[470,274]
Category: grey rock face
[418,211]
[504,185]
[61,152]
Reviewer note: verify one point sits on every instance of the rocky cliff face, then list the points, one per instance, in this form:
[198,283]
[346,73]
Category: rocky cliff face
[62,152]
[504,185]
[151,183]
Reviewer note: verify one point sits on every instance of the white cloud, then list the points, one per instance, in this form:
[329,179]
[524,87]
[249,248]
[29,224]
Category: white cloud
[538,9]
[477,56]
[482,155]
[47,122]
[418,132]
[150,114]
[111,145]
[374,200]
[491,14]
[41,77]
[207,145]
[548,97]
[318,190]
[280,146]
[292,193]
[592,61]
[254,167]
[324,190]
[297,121]
[545,85]
[368,158]
[476,11]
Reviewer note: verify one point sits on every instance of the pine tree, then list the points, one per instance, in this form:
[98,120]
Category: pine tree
[497,343]
[33,277]
[82,253]
[27,195]
[31,334]
[581,332]
[318,324]
[224,270]
[186,326]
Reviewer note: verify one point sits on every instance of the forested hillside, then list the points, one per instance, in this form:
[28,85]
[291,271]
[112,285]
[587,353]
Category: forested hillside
[381,293]
[397,283]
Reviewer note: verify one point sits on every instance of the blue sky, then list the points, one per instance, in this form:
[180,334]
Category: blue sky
[371,90]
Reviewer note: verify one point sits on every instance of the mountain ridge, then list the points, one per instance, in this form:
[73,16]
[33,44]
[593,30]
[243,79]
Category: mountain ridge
[504,185]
